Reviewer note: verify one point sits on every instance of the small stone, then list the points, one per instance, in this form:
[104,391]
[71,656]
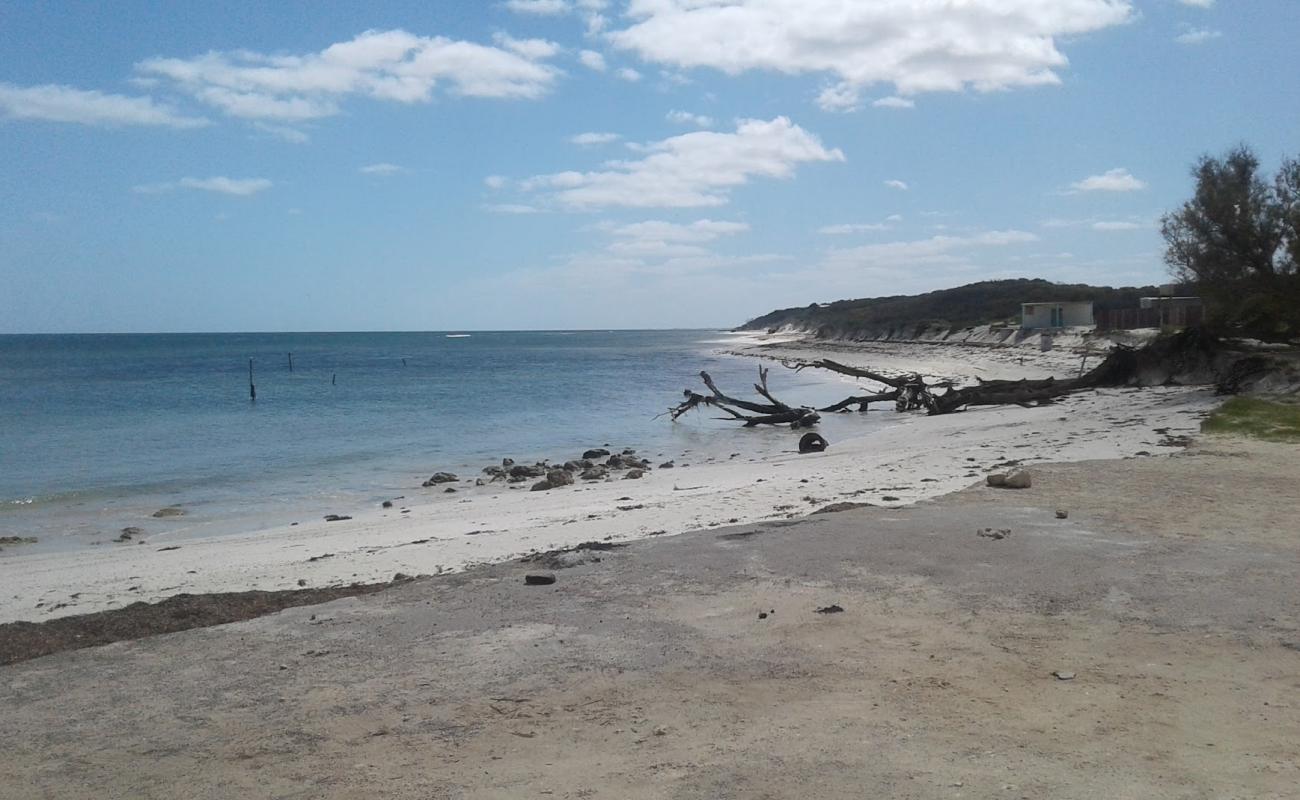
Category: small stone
[336,517]
[1061,513]
[441,477]
[596,452]
[542,486]
[1063,675]
[633,474]
[539,579]
[831,609]
[302,582]
[449,490]
[997,479]
[129,532]
[170,511]
[762,615]
[386,504]
[666,465]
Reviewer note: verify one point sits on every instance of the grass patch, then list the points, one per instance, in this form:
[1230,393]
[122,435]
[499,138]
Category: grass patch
[1276,421]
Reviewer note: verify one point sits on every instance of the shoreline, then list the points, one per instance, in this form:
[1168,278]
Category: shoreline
[914,458]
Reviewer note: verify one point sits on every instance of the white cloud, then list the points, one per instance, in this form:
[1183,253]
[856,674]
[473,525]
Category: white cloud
[849,228]
[1131,224]
[593,138]
[541,8]
[1112,180]
[283,132]
[669,239]
[1197,3]
[840,97]
[511,208]
[687,118]
[1193,36]
[916,45]
[254,105]
[55,103]
[907,258]
[240,187]
[589,10]
[628,74]
[893,102]
[897,184]
[592,60]
[390,65]
[692,170]
[703,230]
[382,168]
[531,49]
[495,181]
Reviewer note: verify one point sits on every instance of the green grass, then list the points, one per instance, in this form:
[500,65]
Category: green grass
[1275,421]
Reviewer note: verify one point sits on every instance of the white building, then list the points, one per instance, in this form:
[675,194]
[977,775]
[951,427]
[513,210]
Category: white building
[1069,314]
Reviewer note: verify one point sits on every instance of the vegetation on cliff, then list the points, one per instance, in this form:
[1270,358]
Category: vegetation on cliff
[973,304]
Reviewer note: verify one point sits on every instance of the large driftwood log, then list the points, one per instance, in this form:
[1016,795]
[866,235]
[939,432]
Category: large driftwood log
[861,401]
[1187,357]
[773,412]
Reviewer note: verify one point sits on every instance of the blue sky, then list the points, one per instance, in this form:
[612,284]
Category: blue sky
[591,163]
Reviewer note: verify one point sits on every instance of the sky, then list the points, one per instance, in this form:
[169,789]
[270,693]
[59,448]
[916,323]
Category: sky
[583,164]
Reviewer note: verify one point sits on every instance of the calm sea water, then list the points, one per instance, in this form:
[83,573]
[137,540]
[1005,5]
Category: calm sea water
[98,430]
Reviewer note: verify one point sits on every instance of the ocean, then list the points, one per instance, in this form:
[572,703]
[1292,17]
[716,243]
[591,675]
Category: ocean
[98,431]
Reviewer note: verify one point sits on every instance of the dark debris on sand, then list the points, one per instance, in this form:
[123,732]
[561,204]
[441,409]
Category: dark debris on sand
[20,641]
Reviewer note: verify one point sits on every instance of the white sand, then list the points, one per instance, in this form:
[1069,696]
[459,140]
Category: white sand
[919,458]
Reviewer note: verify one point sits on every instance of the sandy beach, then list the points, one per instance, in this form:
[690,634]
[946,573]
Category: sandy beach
[430,532]
[1146,646]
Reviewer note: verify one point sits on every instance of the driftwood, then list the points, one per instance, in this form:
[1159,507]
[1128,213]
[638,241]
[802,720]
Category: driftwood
[1189,357]
[773,412]
[861,401]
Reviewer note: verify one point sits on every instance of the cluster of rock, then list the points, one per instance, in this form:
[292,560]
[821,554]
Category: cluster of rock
[597,464]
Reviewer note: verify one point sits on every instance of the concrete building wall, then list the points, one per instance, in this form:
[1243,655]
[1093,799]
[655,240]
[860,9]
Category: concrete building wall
[1056,315]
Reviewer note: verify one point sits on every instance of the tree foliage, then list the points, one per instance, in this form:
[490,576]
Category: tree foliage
[1237,241]
[959,307]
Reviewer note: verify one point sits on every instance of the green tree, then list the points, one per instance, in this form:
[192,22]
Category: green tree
[1238,242]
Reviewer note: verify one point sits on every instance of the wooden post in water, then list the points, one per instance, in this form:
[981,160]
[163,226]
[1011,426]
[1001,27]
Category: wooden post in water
[291,362]
[252,390]
[334,379]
